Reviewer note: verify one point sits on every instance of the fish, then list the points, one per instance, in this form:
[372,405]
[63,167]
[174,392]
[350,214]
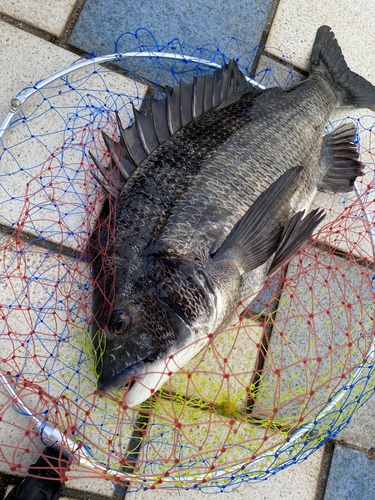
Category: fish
[210,191]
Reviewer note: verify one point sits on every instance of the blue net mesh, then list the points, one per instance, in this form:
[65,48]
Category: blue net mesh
[268,391]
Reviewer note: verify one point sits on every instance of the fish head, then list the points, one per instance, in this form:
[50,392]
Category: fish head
[153,329]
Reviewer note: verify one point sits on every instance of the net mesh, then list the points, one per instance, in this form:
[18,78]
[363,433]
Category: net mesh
[269,390]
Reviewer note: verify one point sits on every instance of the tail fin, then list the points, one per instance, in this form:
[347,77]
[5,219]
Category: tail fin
[328,61]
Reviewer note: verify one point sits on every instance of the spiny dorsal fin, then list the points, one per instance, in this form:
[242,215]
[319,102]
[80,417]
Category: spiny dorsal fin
[341,160]
[180,107]
[295,234]
[166,117]
[255,237]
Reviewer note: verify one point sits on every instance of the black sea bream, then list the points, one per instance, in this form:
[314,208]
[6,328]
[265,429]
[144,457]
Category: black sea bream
[215,184]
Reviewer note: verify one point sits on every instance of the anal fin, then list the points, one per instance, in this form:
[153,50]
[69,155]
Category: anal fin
[340,158]
[295,234]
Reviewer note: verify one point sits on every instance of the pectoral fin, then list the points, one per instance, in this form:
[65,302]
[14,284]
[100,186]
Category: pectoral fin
[255,237]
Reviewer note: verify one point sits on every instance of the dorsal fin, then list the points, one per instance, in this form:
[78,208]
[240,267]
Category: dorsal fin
[179,108]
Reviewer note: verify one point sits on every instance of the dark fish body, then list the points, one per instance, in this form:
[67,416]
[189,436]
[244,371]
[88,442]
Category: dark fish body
[221,176]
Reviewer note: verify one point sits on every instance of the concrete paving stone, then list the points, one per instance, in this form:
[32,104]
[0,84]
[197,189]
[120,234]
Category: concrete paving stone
[101,22]
[295,24]
[360,431]
[223,372]
[297,481]
[44,345]
[277,73]
[322,330]
[51,15]
[89,484]
[201,439]
[46,183]
[351,477]
[17,450]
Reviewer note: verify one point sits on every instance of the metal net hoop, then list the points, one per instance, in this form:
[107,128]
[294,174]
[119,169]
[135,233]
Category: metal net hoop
[253,402]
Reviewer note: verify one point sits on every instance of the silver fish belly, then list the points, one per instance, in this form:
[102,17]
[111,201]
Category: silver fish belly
[216,183]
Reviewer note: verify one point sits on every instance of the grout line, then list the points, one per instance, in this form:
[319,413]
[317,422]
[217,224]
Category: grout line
[263,38]
[351,446]
[71,23]
[60,42]
[63,40]
[36,241]
[324,470]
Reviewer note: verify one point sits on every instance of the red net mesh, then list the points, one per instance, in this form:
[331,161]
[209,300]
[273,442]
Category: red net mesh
[285,375]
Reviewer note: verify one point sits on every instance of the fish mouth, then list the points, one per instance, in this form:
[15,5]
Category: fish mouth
[128,375]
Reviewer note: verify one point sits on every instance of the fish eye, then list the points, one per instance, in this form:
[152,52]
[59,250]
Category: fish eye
[119,323]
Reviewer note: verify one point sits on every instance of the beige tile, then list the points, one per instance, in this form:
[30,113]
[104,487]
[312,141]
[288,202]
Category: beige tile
[322,331]
[297,481]
[47,186]
[295,25]
[360,431]
[90,484]
[280,73]
[49,15]
[199,440]
[43,317]
[222,372]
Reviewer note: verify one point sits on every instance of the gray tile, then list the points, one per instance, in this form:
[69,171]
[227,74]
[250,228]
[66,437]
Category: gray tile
[351,477]
[196,25]
[360,431]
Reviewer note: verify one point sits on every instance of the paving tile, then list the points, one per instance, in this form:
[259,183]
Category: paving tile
[351,477]
[310,357]
[233,354]
[50,15]
[89,484]
[296,481]
[194,24]
[277,73]
[46,351]
[348,20]
[360,431]
[199,440]
[53,143]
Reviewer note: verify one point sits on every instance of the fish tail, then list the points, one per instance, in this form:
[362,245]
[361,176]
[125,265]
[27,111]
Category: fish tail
[328,61]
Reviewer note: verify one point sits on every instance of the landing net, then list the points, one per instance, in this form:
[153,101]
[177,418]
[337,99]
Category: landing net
[270,389]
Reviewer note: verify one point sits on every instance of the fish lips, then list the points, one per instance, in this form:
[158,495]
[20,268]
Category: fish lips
[108,383]
[125,362]
[121,359]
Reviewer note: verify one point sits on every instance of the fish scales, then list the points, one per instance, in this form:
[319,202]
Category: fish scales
[214,210]
[146,201]
[248,162]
